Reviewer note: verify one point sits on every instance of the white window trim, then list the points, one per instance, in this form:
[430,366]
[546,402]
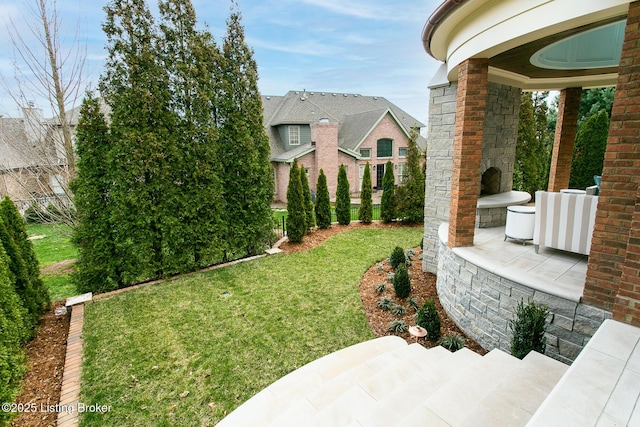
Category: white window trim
[386,157]
[291,139]
[363,156]
[406,152]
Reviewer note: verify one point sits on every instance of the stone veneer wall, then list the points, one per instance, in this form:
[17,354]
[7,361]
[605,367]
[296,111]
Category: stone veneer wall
[501,132]
[482,303]
[439,164]
[498,150]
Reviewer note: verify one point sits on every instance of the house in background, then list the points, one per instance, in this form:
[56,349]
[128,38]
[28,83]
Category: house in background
[32,167]
[324,130]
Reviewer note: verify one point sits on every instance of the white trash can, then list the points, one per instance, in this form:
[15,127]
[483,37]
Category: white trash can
[520,223]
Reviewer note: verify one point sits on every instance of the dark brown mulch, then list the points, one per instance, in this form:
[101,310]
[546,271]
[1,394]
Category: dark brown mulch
[42,383]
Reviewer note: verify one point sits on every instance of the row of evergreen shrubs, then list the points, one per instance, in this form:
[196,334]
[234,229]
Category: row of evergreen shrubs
[407,204]
[23,299]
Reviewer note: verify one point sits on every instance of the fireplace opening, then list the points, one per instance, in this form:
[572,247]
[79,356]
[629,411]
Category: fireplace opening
[490,183]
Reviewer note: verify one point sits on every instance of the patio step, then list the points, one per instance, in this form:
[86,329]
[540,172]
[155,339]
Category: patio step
[391,383]
[268,403]
[602,386]
[361,391]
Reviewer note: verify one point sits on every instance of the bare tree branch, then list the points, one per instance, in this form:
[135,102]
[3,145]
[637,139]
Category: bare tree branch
[38,163]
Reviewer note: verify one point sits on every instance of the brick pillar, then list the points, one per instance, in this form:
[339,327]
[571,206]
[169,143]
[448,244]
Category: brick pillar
[565,136]
[627,303]
[467,150]
[617,204]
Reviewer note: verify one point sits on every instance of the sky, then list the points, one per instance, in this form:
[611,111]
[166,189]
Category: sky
[368,47]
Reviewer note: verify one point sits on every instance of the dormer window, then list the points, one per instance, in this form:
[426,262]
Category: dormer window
[294,135]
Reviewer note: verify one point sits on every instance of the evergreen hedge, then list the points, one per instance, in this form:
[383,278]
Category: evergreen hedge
[323,203]
[588,152]
[307,199]
[15,331]
[365,214]
[297,217]
[343,198]
[387,203]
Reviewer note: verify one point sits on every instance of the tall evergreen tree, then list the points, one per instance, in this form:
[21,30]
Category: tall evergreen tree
[19,277]
[136,87]
[193,237]
[343,198]
[97,264]
[323,202]
[18,231]
[410,196]
[246,169]
[13,336]
[296,217]
[308,200]
[365,214]
[589,149]
[533,145]
[388,201]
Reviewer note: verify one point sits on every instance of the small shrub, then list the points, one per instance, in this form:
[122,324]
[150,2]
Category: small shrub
[528,329]
[397,257]
[401,282]
[397,326]
[428,318]
[380,287]
[412,303]
[452,342]
[390,276]
[397,310]
[385,303]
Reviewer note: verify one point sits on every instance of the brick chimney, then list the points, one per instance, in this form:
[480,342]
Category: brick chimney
[325,136]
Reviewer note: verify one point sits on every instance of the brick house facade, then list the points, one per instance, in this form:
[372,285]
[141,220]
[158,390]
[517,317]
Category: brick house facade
[325,130]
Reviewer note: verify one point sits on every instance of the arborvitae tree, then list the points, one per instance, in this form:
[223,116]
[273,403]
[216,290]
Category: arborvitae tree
[388,202]
[14,334]
[402,282]
[144,144]
[296,217]
[246,168]
[365,214]
[192,58]
[588,152]
[410,195]
[97,263]
[592,101]
[343,198]
[323,202]
[18,231]
[308,200]
[19,276]
[532,146]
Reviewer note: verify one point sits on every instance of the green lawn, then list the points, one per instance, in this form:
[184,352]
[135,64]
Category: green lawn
[55,246]
[224,335]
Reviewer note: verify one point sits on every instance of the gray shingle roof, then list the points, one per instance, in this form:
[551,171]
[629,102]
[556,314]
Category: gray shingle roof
[355,114]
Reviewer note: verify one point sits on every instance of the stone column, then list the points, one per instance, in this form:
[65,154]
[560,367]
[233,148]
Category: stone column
[613,277]
[442,120]
[467,150]
[565,136]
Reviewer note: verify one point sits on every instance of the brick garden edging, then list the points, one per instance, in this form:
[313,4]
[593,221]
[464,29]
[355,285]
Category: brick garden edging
[70,391]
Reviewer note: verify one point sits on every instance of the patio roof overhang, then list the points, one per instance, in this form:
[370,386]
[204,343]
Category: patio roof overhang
[531,44]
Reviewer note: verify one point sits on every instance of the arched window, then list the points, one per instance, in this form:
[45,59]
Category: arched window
[385,148]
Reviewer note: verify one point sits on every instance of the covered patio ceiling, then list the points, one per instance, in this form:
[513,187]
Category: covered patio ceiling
[551,44]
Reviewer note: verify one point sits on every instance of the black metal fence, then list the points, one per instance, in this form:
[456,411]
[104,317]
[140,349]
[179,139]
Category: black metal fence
[281,218]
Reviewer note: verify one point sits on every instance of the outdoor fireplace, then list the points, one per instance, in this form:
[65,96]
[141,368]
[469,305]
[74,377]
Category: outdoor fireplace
[490,183]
